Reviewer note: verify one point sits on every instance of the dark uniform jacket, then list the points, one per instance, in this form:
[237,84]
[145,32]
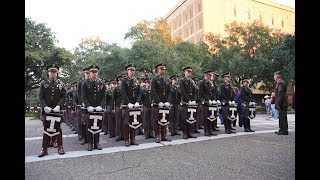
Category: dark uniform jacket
[226,92]
[93,93]
[174,95]
[215,90]
[281,95]
[206,90]
[130,91]
[52,93]
[79,96]
[146,97]
[70,100]
[116,97]
[188,90]
[246,94]
[159,89]
[109,101]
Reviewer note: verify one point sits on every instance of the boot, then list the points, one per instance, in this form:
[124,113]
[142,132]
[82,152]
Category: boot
[90,141]
[84,135]
[164,136]
[45,143]
[189,131]
[126,135]
[156,131]
[133,136]
[54,141]
[96,141]
[60,143]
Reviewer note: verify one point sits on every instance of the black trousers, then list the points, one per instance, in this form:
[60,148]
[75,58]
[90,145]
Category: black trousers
[119,122]
[174,118]
[283,119]
[147,123]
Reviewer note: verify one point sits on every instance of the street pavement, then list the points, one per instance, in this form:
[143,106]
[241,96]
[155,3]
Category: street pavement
[258,155]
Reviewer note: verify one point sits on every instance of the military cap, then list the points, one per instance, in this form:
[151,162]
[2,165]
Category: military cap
[173,77]
[129,66]
[74,83]
[85,69]
[226,74]
[119,78]
[53,67]
[215,73]
[93,68]
[161,66]
[189,68]
[207,71]
[114,81]
[245,80]
[276,73]
[146,80]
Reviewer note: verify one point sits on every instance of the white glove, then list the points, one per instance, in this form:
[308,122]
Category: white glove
[56,109]
[213,102]
[136,104]
[210,102]
[47,109]
[190,103]
[90,109]
[130,105]
[167,104]
[193,102]
[218,101]
[161,104]
[98,108]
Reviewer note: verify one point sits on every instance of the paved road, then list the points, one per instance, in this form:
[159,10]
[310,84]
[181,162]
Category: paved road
[258,155]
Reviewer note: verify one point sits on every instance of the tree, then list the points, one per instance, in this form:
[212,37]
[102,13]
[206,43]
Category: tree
[40,51]
[246,51]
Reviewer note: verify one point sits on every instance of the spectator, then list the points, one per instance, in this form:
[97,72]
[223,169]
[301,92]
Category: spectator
[273,106]
[267,102]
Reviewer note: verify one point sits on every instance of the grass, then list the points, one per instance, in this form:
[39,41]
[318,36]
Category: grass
[31,114]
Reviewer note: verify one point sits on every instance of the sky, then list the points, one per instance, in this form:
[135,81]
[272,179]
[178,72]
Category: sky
[73,20]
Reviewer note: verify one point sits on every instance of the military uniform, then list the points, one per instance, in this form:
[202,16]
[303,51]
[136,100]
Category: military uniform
[82,132]
[215,90]
[52,93]
[146,112]
[159,93]
[247,97]
[188,93]
[117,100]
[226,94]
[206,93]
[281,103]
[174,98]
[131,93]
[93,94]
[109,124]
[70,104]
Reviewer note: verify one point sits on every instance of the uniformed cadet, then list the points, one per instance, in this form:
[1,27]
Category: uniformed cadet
[131,93]
[159,93]
[82,132]
[52,96]
[247,97]
[215,89]
[146,109]
[109,121]
[174,98]
[70,106]
[226,94]
[188,95]
[93,92]
[117,100]
[281,103]
[206,93]
[198,124]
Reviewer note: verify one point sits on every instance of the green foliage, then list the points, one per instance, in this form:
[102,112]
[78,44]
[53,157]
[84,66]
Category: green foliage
[40,51]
